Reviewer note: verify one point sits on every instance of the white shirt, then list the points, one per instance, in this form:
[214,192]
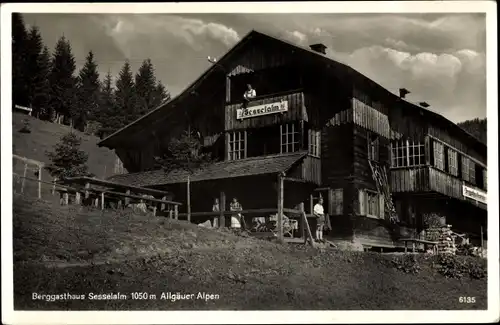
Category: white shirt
[250,93]
[318,209]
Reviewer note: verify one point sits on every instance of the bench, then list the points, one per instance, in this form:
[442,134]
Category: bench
[414,241]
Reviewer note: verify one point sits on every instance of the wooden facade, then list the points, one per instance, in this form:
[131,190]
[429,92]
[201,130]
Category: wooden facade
[340,119]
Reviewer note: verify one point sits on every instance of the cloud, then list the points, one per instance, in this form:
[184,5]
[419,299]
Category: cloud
[296,37]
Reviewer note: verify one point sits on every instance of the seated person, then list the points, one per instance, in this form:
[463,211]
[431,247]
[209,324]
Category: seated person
[250,93]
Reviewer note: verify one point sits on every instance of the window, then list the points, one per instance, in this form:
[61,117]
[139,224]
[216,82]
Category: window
[398,154]
[314,142]
[452,162]
[465,168]
[373,149]
[407,154]
[485,183]
[371,204]
[438,155]
[416,153]
[472,172]
[289,138]
[236,145]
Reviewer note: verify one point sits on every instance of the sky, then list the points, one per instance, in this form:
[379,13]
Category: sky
[440,58]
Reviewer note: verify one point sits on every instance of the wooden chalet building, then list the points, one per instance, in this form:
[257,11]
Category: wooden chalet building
[328,128]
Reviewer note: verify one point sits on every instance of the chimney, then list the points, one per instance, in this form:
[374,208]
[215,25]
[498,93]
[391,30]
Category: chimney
[403,92]
[424,104]
[320,48]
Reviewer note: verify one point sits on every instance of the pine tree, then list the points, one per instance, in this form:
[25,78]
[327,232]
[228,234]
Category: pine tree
[62,80]
[125,95]
[161,95]
[88,92]
[110,117]
[145,88]
[33,54]
[67,160]
[19,69]
[41,97]
[185,153]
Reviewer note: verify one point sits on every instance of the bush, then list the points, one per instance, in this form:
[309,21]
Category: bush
[453,266]
[26,128]
[407,263]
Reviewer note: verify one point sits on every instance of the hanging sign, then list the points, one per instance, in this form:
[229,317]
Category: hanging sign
[474,193]
[260,110]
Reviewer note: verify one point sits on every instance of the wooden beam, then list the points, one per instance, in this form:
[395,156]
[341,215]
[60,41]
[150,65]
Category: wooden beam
[102,201]
[78,199]
[176,212]
[222,208]
[280,205]
[298,180]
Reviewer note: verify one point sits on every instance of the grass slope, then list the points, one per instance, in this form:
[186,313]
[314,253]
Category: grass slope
[72,250]
[44,135]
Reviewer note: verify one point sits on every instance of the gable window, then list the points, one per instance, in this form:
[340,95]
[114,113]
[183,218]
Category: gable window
[236,145]
[452,162]
[407,154]
[289,138]
[314,142]
[373,149]
[438,155]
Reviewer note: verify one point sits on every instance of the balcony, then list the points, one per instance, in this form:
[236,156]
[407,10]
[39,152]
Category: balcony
[427,179]
[266,110]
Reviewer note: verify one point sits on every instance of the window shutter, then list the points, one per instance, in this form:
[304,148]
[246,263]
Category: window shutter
[362,202]
[382,206]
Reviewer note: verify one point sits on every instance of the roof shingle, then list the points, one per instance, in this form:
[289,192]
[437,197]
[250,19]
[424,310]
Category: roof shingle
[219,170]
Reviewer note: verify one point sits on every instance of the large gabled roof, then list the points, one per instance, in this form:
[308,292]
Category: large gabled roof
[354,75]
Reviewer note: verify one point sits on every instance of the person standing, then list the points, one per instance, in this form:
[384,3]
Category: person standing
[216,208]
[319,213]
[237,220]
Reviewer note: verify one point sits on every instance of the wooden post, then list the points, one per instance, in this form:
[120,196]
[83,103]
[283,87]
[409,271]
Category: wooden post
[311,203]
[176,212]
[280,206]
[102,201]
[308,230]
[87,193]
[302,136]
[188,199]
[170,213]
[39,182]
[24,177]
[154,208]
[127,199]
[482,241]
[54,186]
[66,198]
[78,198]
[222,208]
